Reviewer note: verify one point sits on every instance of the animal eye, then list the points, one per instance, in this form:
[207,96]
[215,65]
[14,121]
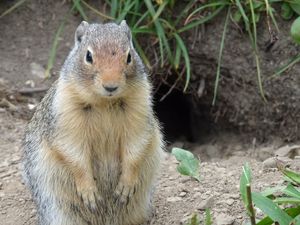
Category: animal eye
[89,57]
[128,58]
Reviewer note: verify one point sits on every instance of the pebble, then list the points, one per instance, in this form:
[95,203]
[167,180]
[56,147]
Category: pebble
[224,219]
[174,199]
[37,70]
[229,201]
[207,203]
[182,194]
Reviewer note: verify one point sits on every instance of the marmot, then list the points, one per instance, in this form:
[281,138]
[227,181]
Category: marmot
[93,147]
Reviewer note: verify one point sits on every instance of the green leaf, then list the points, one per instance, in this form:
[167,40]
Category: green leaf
[208,219]
[291,191]
[286,11]
[271,191]
[177,56]
[186,59]
[295,177]
[237,16]
[293,212]
[271,209]
[194,220]
[287,200]
[80,9]
[297,220]
[296,7]
[189,165]
[202,20]
[295,30]
[220,57]
[244,181]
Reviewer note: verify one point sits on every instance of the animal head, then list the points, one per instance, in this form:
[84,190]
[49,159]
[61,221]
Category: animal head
[104,59]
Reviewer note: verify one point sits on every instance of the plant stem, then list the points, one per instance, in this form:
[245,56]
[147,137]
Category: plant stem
[250,205]
[220,57]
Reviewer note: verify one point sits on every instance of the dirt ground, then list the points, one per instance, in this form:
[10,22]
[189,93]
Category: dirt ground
[176,198]
[24,49]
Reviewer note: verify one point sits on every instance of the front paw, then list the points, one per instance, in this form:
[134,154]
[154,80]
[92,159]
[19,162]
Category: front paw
[90,197]
[124,192]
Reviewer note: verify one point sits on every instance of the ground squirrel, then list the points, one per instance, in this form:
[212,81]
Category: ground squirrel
[94,146]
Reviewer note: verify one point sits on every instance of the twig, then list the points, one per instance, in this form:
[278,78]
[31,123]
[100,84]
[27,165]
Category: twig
[27,91]
[250,205]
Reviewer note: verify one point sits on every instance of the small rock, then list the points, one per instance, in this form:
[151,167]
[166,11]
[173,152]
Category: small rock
[174,199]
[196,195]
[224,219]
[229,201]
[31,106]
[37,70]
[182,194]
[207,203]
[30,83]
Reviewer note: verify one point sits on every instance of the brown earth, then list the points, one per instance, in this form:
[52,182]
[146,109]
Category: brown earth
[24,49]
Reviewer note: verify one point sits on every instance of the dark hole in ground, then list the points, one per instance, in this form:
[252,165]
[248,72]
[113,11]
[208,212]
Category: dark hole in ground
[181,117]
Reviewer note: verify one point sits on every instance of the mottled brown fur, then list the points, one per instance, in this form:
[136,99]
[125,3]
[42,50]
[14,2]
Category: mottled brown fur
[91,155]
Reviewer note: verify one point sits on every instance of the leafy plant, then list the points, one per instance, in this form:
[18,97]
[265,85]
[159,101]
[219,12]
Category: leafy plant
[194,220]
[188,164]
[295,30]
[270,203]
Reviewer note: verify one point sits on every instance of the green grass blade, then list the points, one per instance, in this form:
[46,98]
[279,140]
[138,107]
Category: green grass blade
[202,7]
[141,52]
[186,59]
[270,13]
[252,37]
[201,21]
[53,49]
[271,191]
[160,32]
[114,8]
[16,5]
[177,56]
[159,11]
[80,9]
[253,24]
[208,217]
[292,62]
[293,212]
[258,70]
[125,10]
[244,181]
[287,200]
[291,175]
[291,191]
[271,209]
[102,15]
[143,30]
[220,57]
[184,11]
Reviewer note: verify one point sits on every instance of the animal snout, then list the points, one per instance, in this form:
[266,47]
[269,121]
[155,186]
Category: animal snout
[110,88]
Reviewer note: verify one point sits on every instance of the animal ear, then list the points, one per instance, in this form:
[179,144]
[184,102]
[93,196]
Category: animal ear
[80,31]
[126,29]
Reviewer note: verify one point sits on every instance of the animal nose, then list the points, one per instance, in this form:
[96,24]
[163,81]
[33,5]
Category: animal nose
[110,88]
